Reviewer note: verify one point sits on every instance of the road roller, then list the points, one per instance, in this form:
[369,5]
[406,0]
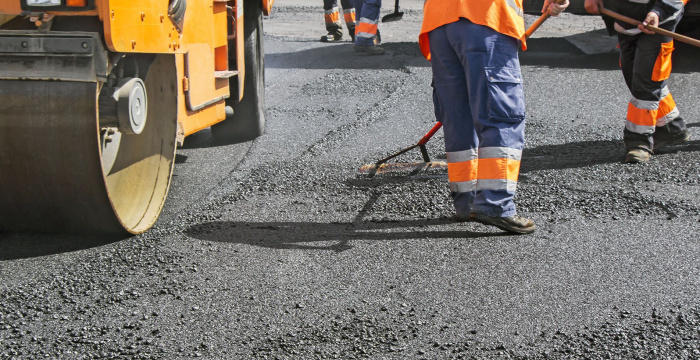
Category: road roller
[96,95]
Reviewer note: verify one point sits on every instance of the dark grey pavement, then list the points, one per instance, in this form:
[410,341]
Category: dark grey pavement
[280,249]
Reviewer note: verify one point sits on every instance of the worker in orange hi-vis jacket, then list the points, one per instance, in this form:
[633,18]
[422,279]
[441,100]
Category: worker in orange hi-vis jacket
[653,120]
[332,19]
[478,97]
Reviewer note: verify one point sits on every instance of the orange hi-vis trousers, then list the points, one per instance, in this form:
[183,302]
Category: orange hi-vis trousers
[332,14]
[645,61]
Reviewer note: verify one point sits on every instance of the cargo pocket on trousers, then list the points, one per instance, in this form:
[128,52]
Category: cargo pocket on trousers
[662,67]
[506,99]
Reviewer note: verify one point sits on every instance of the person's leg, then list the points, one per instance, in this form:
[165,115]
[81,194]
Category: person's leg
[452,109]
[498,108]
[331,17]
[349,17]
[652,107]
[366,31]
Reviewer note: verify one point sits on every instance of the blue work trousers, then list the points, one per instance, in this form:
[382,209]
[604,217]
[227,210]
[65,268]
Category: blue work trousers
[478,97]
[367,13]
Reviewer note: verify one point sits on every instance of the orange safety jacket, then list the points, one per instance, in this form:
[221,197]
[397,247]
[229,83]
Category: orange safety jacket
[504,16]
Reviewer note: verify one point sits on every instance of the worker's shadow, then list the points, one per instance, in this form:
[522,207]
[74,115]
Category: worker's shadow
[335,236]
[553,52]
[586,153]
[24,246]
[342,56]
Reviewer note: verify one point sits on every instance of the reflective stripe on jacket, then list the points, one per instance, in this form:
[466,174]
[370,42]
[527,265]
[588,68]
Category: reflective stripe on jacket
[504,16]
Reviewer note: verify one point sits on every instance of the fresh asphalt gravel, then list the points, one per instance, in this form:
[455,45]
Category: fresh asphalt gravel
[280,249]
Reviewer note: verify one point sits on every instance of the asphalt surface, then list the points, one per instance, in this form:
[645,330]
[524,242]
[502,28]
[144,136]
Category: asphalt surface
[280,249]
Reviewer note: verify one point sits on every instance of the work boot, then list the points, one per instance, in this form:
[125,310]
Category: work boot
[371,49]
[333,36]
[666,136]
[514,224]
[637,155]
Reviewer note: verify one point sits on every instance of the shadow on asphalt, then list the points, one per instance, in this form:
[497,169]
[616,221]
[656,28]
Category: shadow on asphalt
[303,235]
[342,56]
[546,52]
[572,155]
[24,246]
[586,153]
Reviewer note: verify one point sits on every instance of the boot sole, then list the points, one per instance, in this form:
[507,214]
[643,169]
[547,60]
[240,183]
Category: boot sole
[636,159]
[505,227]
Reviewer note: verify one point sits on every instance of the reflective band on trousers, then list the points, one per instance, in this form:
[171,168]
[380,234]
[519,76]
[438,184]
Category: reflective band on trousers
[349,15]
[469,186]
[488,168]
[644,115]
[367,28]
[332,16]
[484,153]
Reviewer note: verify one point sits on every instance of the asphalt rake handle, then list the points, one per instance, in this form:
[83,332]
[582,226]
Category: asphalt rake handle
[540,21]
[675,36]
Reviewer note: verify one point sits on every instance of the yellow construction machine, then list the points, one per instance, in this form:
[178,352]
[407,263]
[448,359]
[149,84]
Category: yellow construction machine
[95,96]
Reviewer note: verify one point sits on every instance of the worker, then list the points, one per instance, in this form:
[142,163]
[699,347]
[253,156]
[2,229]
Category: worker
[332,18]
[478,97]
[367,38]
[653,120]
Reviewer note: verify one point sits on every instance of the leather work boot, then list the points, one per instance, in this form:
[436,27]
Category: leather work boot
[332,36]
[371,49]
[663,139]
[637,155]
[514,224]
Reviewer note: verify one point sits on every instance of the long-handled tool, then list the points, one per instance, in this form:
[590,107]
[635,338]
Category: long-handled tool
[540,21]
[381,166]
[675,36]
[395,16]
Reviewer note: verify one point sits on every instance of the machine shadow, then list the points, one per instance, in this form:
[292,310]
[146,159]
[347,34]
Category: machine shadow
[323,236]
[36,245]
[546,52]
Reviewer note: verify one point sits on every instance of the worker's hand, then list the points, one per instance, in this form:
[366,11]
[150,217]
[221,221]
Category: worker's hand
[651,19]
[593,6]
[554,8]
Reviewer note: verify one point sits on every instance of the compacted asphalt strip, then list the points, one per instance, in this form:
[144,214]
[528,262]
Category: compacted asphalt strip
[281,249]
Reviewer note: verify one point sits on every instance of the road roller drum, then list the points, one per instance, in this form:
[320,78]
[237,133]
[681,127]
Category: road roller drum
[96,94]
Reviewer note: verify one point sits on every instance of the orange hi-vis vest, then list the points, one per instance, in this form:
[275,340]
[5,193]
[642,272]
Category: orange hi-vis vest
[504,16]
